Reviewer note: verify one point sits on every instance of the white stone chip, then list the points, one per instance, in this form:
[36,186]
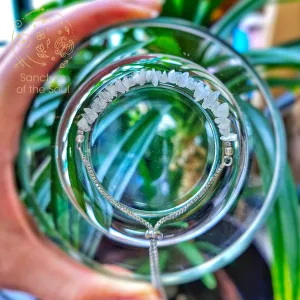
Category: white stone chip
[172,76]
[112,90]
[131,82]
[183,80]
[191,84]
[102,96]
[91,113]
[222,110]
[164,77]
[178,76]
[215,106]
[224,132]
[102,104]
[96,107]
[120,87]
[154,78]
[220,120]
[158,74]
[225,124]
[142,75]
[88,119]
[83,124]
[148,75]
[136,78]
[199,91]
[210,100]
[230,138]
[106,96]
[126,83]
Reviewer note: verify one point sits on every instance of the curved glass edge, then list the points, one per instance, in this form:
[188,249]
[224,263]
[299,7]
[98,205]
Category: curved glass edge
[245,239]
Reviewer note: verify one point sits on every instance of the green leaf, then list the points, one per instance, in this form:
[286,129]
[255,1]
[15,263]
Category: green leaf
[43,110]
[134,149]
[197,11]
[110,117]
[41,181]
[288,83]
[204,11]
[275,57]
[167,44]
[224,27]
[192,253]
[105,57]
[173,8]
[284,223]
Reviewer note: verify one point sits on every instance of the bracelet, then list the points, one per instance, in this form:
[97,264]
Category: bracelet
[202,92]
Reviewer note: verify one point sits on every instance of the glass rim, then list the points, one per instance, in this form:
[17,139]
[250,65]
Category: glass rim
[239,245]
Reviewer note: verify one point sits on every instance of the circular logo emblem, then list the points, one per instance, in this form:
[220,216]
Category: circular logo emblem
[53,39]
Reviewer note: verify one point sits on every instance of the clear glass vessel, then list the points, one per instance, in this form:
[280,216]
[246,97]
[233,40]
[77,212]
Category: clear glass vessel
[153,149]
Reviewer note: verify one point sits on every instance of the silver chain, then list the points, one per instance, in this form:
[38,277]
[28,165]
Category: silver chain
[152,234]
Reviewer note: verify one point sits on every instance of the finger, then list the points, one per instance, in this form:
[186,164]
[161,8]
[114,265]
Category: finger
[34,265]
[154,4]
[49,274]
[85,18]
[51,270]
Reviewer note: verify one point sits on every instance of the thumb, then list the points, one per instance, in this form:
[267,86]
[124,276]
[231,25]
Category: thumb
[44,271]
[31,263]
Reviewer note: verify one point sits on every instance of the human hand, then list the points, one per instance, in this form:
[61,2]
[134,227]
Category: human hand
[28,261]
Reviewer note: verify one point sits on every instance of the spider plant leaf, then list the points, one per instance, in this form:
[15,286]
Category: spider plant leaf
[284,222]
[275,57]
[197,11]
[166,44]
[203,11]
[134,149]
[41,182]
[109,118]
[278,57]
[173,8]
[108,56]
[288,83]
[194,256]
[46,104]
[224,27]
[241,84]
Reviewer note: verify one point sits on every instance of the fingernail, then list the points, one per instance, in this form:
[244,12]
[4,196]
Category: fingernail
[148,3]
[149,296]
[153,13]
[141,298]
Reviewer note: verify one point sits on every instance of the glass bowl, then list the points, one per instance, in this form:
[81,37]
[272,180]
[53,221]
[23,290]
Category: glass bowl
[154,150]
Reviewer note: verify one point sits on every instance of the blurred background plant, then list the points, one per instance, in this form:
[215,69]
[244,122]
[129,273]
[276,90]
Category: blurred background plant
[245,25]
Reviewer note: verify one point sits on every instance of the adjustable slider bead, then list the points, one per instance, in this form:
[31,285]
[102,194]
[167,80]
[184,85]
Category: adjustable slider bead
[153,234]
[229,151]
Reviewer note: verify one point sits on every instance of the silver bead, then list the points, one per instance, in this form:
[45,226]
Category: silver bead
[79,138]
[153,234]
[229,151]
[227,161]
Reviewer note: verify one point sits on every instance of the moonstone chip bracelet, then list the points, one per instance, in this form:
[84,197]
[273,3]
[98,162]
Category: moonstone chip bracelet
[210,100]
[202,92]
